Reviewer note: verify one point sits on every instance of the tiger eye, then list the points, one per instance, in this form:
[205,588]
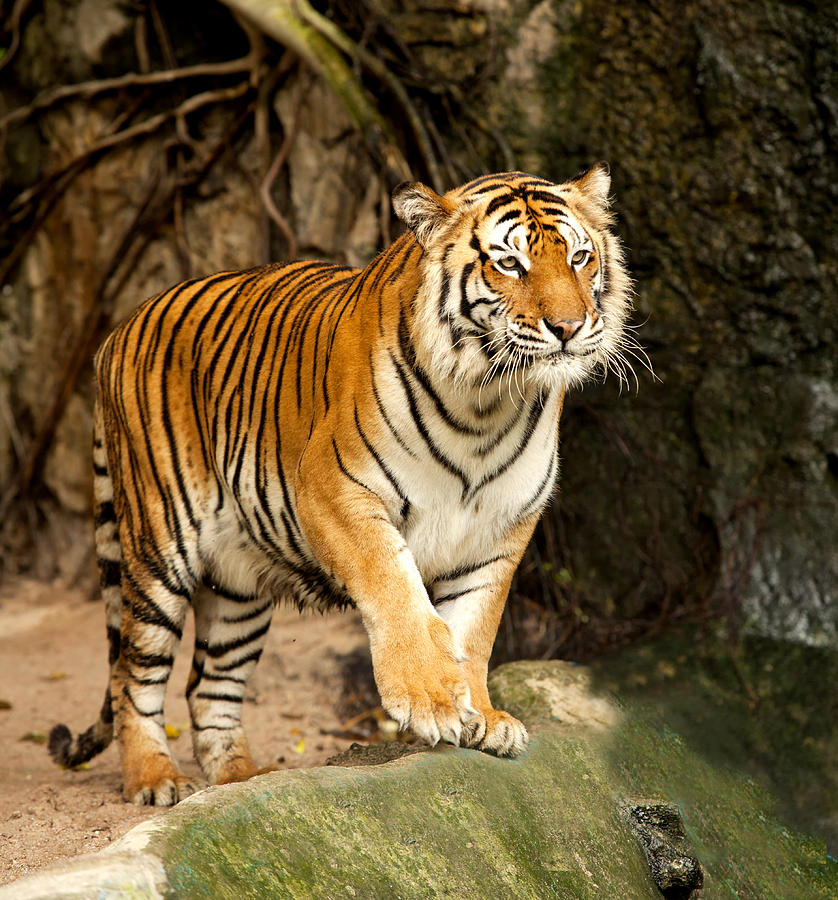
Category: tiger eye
[508,262]
[580,257]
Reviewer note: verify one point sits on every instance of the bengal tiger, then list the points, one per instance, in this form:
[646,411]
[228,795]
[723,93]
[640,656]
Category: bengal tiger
[384,437]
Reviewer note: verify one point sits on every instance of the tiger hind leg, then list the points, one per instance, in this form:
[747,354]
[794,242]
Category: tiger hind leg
[230,634]
[154,606]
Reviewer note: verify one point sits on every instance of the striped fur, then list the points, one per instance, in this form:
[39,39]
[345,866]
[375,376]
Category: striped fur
[385,437]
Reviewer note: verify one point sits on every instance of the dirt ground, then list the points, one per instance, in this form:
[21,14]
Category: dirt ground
[53,668]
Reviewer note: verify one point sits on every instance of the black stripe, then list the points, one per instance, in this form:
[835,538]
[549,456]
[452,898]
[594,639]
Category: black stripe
[544,197]
[213,676]
[216,650]
[467,569]
[552,471]
[148,682]
[421,376]
[474,243]
[508,216]
[399,440]
[227,698]
[529,429]
[165,394]
[110,572]
[136,657]
[148,714]
[143,609]
[405,510]
[104,513]
[403,257]
[465,306]
[497,202]
[245,617]
[486,448]
[497,181]
[250,657]
[347,474]
[418,421]
[455,595]
[114,640]
[446,286]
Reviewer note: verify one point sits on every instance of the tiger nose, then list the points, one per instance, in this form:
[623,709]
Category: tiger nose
[563,329]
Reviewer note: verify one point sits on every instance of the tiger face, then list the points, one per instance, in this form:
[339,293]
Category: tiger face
[541,293]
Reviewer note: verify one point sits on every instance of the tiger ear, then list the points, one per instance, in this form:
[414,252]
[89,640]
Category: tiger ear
[595,182]
[421,209]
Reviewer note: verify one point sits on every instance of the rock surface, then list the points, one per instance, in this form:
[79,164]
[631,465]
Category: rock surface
[719,121]
[453,822]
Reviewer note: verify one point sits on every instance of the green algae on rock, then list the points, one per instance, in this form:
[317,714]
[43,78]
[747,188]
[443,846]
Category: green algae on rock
[454,822]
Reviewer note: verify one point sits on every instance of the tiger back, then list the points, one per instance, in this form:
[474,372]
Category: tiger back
[384,437]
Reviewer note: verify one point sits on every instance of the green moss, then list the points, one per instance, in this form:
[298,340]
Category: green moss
[767,709]
[461,823]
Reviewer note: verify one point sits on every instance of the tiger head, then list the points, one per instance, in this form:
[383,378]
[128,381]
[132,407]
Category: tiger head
[521,278]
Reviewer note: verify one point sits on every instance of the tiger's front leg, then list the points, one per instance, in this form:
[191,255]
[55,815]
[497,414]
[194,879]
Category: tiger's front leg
[472,605]
[418,674]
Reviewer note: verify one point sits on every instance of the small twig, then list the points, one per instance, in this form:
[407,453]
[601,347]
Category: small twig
[86,89]
[18,10]
[169,58]
[51,188]
[443,152]
[66,173]
[270,176]
[151,125]
[261,122]
[141,44]
[492,132]
[464,135]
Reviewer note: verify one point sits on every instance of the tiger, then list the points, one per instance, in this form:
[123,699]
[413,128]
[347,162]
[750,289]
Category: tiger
[384,438]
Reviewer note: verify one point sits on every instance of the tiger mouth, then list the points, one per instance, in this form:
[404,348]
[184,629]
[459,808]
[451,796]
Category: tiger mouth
[552,355]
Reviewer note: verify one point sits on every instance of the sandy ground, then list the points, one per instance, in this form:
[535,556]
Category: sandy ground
[313,675]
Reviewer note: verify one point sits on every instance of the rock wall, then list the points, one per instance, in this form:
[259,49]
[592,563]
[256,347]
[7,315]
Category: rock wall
[720,123]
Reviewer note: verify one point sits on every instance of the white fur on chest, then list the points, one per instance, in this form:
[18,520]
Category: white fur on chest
[450,526]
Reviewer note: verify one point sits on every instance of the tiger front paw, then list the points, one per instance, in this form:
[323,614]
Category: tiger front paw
[495,731]
[425,690]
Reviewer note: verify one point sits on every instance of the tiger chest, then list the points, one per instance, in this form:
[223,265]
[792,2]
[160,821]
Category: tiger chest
[458,518]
